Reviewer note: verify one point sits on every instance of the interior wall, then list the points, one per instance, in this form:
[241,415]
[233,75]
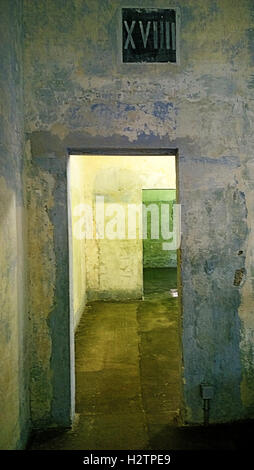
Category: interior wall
[153,254]
[78,94]
[114,266]
[77,175]
[14,377]
[50,312]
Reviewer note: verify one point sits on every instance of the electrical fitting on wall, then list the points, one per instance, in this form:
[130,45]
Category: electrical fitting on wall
[207,393]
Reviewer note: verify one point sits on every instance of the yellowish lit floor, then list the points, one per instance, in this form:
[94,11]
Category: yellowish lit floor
[127,371]
[128,379]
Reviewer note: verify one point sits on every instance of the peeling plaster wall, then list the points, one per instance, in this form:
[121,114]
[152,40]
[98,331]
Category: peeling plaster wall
[51,321]
[14,377]
[78,94]
[42,275]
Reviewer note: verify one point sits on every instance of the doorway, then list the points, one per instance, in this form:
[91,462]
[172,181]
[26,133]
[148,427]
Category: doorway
[126,309]
[159,265]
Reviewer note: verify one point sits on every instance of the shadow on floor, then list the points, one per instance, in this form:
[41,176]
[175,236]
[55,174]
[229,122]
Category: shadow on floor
[223,437]
[234,436]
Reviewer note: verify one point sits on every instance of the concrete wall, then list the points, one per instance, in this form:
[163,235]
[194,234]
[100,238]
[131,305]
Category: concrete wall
[14,376]
[50,310]
[153,254]
[78,94]
[77,176]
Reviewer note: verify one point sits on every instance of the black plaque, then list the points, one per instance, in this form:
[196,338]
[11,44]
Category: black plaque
[149,35]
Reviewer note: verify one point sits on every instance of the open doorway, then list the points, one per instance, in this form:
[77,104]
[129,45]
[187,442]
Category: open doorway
[124,298]
[159,264]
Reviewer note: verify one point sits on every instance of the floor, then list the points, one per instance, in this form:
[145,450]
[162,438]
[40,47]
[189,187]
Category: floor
[128,380]
[127,371]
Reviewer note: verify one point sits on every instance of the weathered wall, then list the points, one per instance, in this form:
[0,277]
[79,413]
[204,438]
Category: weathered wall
[153,254]
[50,312]
[77,175]
[78,94]
[14,376]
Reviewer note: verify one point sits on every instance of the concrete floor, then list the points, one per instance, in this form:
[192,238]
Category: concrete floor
[127,371]
[128,380]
